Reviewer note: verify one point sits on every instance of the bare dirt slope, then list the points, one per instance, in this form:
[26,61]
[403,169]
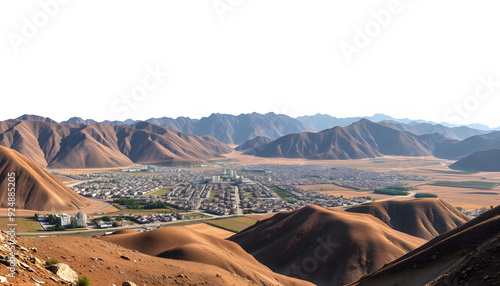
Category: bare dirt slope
[36,189]
[466,255]
[424,218]
[178,242]
[107,263]
[324,246]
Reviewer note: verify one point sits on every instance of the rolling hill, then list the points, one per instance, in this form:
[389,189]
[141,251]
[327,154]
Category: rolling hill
[55,145]
[457,133]
[253,143]
[36,189]
[459,149]
[480,161]
[326,247]
[466,255]
[363,139]
[424,218]
[181,243]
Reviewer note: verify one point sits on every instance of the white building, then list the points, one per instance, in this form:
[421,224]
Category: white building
[63,219]
[80,219]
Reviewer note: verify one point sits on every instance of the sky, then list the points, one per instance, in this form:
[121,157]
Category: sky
[112,60]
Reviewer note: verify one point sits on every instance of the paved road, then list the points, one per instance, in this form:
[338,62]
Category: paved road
[239,211]
[153,225]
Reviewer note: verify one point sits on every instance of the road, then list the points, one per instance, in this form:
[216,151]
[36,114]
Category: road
[239,211]
[153,225]
[411,194]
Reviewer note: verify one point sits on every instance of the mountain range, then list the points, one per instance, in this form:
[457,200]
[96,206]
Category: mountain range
[367,139]
[363,139]
[67,145]
[55,145]
[236,129]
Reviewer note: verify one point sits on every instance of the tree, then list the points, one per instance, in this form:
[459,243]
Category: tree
[51,218]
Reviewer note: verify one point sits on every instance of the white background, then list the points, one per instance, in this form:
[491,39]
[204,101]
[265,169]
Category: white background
[282,56]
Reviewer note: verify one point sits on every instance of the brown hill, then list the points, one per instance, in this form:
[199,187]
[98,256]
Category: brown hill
[480,161]
[100,145]
[107,264]
[323,246]
[36,189]
[178,242]
[459,149]
[253,143]
[466,255]
[363,139]
[424,218]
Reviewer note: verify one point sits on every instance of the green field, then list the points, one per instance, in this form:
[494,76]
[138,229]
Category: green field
[188,215]
[392,191]
[159,192]
[283,194]
[213,194]
[234,224]
[467,184]
[24,224]
[249,194]
[425,195]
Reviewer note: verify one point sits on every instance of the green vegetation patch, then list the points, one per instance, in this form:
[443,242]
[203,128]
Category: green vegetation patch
[310,176]
[83,281]
[393,191]
[159,192]
[425,195]
[51,261]
[136,205]
[214,194]
[192,215]
[467,184]
[283,194]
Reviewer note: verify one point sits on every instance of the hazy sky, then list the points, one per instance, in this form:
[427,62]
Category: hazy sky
[434,60]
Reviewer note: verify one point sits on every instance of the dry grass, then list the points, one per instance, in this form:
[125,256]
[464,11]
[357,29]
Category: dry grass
[463,197]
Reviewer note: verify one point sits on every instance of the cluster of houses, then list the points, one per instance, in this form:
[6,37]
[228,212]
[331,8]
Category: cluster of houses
[153,218]
[317,174]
